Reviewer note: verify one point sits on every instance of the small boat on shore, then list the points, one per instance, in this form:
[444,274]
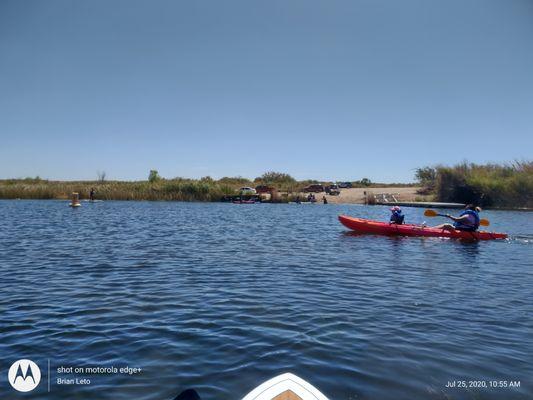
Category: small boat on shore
[361,225]
[285,387]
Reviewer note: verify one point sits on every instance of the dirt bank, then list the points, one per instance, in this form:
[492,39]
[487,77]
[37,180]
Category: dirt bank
[357,195]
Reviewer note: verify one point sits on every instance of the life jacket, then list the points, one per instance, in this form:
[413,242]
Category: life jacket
[471,224]
[397,217]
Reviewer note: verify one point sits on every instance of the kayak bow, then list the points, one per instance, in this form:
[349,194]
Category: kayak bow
[383,228]
[285,387]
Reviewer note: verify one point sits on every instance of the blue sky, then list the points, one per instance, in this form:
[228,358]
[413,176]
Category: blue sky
[319,89]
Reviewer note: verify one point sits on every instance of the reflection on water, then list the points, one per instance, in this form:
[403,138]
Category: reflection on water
[470,252]
[222,297]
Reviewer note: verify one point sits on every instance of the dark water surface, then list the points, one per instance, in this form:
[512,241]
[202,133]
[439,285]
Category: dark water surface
[221,297]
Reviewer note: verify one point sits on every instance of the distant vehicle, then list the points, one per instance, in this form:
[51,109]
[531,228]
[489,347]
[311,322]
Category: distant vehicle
[247,191]
[333,190]
[345,185]
[314,189]
[264,189]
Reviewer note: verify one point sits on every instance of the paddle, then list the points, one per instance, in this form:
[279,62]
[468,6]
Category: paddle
[433,213]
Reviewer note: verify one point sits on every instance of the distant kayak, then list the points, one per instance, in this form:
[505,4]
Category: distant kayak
[384,228]
[244,202]
[285,387]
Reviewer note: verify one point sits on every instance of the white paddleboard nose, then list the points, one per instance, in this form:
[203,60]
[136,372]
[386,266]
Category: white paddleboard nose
[285,387]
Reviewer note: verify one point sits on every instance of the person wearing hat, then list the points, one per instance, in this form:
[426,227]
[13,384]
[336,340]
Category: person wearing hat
[396,217]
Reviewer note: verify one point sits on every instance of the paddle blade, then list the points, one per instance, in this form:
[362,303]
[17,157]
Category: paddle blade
[484,222]
[431,213]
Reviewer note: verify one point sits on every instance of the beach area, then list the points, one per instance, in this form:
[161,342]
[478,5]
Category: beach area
[360,195]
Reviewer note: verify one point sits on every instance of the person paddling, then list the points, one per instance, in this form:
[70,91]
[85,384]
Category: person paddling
[91,194]
[396,217]
[468,220]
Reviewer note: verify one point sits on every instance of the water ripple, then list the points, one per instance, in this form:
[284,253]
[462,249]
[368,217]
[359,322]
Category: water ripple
[222,297]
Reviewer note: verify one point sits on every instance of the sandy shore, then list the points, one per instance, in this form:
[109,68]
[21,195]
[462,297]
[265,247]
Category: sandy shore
[357,195]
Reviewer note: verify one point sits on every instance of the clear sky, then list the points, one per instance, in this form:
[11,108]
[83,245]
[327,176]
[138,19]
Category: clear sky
[325,89]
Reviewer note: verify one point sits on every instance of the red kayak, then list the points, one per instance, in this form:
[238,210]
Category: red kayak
[384,228]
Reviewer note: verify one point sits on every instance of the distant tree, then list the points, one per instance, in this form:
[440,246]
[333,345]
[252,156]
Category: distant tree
[153,176]
[275,178]
[206,179]
[365,182]
[426,176]
[35,180]
[236,180]
[101,176]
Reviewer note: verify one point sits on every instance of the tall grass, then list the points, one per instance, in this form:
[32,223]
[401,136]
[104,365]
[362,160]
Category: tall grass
[175,189]
[489,185]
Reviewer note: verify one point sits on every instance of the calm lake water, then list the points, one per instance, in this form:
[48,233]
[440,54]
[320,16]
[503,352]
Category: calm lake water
[221,297]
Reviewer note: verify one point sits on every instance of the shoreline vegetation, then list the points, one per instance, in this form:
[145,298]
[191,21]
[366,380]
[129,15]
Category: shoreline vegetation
[178,189]
[491,185]
[508,186]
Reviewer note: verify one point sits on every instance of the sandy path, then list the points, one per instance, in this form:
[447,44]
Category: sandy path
[357,195]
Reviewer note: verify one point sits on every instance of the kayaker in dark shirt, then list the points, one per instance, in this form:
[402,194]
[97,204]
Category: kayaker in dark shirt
[396,217]
[324,200]
[468,220]
[91,194]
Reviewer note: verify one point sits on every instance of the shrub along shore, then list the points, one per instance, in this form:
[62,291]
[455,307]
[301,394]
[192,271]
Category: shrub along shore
[178,190]
[491,185]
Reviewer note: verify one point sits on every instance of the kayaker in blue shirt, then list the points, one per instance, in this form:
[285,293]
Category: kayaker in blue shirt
[396,217]
[468,220]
